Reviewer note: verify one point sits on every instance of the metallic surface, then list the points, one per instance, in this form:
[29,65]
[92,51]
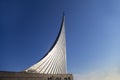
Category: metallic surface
[54,62]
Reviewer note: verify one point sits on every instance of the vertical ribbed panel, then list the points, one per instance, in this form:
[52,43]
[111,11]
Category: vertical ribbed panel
[54,62]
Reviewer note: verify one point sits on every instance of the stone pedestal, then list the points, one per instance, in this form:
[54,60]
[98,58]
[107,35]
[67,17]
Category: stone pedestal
[33,76]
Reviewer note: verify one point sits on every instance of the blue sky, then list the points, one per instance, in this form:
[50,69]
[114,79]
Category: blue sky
[28,28]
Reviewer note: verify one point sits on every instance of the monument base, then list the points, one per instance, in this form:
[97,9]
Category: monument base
[33,76]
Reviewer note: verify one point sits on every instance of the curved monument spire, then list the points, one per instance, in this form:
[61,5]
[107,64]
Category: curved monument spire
[54,62]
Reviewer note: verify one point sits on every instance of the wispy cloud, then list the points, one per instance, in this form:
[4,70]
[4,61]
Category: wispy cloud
[112,74]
